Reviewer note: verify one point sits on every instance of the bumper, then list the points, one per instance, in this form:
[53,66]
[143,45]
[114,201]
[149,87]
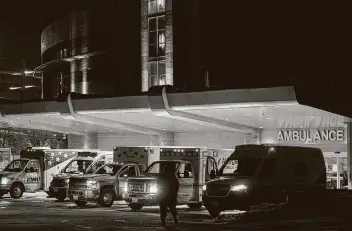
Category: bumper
[4,189]
[84,194]
[144,199]
[233,201]
[56,191]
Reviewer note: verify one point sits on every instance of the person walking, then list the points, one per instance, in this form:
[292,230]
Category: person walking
[168,187]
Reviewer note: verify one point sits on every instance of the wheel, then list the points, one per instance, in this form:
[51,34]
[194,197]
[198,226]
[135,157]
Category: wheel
[16,191]
[81,203]
[61,197]
[214,212]
[106,198]
[135,207]
[49,194]
[195,205]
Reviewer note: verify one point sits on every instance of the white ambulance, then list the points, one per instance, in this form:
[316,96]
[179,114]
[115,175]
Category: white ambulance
[193,166]
[34,170]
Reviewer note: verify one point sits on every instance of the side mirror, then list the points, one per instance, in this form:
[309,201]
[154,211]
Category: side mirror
[212,174]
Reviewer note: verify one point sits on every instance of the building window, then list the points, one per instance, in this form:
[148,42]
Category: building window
[157,39]
[157,73]
[156,6]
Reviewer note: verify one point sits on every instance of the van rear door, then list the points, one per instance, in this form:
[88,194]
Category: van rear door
[211,166]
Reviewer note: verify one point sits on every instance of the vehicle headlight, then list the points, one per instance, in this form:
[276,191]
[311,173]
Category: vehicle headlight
[92,184]
[153,189]
[240,187]
[4,180]
[204,187]
[125,189]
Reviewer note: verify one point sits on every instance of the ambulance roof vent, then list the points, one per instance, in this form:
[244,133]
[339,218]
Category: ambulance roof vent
[39,148]
[87,154]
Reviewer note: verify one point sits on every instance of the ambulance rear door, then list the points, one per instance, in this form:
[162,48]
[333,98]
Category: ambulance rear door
[186,172]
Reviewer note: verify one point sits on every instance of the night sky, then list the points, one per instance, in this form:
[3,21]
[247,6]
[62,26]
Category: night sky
[21,23]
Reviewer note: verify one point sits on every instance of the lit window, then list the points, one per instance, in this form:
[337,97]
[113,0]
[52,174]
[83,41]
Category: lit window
[157,70]
[157,39]
[156,6]
[161,6]
[152,7]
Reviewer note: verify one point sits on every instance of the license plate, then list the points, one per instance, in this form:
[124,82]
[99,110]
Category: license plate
[75,197]
[134,200]
[55,189]
[215,203]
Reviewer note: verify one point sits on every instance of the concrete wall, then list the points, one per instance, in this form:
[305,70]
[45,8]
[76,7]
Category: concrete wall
[88,141]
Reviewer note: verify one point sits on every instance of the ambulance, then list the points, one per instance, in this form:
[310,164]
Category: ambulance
[83,163]
[193,167]
[34,170]
[108,183]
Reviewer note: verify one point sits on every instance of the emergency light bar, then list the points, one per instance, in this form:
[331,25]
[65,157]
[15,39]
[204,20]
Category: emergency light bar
[87,154]
[38,148]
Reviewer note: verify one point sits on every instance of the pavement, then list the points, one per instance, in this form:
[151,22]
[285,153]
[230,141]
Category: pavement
[37,212]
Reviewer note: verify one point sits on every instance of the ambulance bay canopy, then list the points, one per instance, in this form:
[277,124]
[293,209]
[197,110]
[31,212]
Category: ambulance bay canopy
[241,110]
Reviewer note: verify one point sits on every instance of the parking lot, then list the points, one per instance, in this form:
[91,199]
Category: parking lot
[36,211]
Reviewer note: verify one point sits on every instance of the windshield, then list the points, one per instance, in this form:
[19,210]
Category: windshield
[16,165]
[77,166]
[158,167]
[242,166]
[95,166]
[110,169]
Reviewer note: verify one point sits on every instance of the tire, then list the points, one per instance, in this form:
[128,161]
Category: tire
[61,198]
[81,203]
[194,205]
[135,207]
[214,212]
[49,194]
[16,191]
[106,198]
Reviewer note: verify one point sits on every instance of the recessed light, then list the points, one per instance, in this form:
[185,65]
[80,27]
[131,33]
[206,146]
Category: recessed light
[18,118]
[230,109]
[312,117]
[164,129]
[42,117]
[301,126]
[261,127]
[226,119]
[267,118]
[110,130]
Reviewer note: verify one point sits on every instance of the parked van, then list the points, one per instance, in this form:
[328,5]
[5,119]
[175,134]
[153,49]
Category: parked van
[264,173]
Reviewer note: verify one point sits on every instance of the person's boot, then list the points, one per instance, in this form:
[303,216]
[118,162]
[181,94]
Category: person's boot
[175,220]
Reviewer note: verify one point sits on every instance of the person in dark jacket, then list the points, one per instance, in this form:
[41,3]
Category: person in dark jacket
[168,187]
